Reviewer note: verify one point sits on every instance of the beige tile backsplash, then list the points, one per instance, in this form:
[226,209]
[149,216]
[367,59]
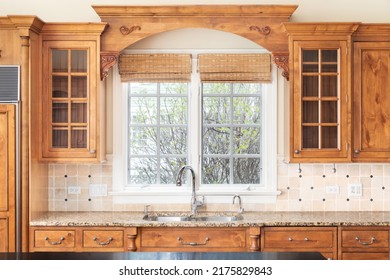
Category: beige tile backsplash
[301,191]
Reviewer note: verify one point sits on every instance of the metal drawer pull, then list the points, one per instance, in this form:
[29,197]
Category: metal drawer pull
[55,242]
[305,239]
[372,240]
[103,243]
[290,239]
[193,243]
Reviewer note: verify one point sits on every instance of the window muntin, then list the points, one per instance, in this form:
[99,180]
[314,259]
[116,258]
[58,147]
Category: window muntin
[231,133]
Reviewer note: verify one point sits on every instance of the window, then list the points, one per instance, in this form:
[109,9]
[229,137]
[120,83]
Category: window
[226,130]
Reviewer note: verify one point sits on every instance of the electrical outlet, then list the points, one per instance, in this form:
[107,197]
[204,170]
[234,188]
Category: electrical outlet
[332,189]
[355,190]
[74,189]
[97,190]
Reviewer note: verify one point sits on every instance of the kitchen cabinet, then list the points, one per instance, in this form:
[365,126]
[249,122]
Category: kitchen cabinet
[371,100]
[300,239]
[7,178]
[320,91]
[71,114]
[363,243]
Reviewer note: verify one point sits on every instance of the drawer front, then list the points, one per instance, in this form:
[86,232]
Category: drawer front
[103,239]
[365,239]
[291,239]
[192,238]
[365,256]
[54,239]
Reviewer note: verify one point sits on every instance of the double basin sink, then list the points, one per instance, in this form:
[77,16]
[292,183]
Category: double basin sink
[191,218]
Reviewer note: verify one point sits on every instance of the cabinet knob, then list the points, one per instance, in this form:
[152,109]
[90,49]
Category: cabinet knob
[92,151]
[290,239]
[357,151]
[297,151]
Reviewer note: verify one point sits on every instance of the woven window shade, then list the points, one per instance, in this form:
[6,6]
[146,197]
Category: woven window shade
[235,67]
[155,67]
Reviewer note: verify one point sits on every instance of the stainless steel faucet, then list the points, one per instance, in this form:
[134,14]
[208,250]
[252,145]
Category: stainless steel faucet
[240,210]
[195,203]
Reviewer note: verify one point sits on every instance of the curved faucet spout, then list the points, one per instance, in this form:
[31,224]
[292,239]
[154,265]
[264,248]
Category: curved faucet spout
[194,202]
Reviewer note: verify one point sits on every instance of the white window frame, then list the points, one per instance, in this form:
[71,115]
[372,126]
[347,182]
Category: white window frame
[267,192]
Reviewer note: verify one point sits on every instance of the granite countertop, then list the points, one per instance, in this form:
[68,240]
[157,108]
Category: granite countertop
[134,219]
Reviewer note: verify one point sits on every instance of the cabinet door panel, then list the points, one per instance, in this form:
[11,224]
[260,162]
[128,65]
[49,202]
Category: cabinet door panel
[372,102]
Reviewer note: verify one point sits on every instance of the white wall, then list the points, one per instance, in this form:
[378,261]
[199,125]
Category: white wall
[308,10]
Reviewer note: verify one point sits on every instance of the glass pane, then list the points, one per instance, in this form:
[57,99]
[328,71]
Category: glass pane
[216,110]
[173,110]
[60,112]
[174,88]
[169,169]
[79,61]
[142,171]
[246,88]
[215,171]
[310,112]
[310,137]
[310,86]
[79,87]
[143,110]
[216,88]
[216,140]
[143,88]
[59,137]
[329,112]
[78,138]
[79,113]
[246,140]
[143,141]
[60,87]
[329,85]
[60,61]
[329,137]
[246,110]
[329,68]
[310,55]
[173,141]
[246,171]
[329,55]
[310,68]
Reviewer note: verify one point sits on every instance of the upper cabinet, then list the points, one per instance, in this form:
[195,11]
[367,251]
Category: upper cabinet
[320,91]
[71,106]
[371,94]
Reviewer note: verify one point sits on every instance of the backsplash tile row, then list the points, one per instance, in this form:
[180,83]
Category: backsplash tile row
[303,188]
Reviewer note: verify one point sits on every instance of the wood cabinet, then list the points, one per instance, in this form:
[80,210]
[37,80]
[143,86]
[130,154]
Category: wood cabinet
[71,106]
[371,100]
[363,243]
[300,239]
[7,178]
[320,91]
[193,239]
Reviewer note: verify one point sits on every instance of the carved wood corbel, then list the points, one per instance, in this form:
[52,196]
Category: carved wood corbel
[281,61]
[0,53]
[107,61]
[254,239]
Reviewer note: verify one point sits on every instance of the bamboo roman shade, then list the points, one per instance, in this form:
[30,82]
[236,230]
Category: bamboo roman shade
[235,67]
[155,67]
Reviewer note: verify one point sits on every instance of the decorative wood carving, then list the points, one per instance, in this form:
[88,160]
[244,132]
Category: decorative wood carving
[126,30]
[254,236]
[107,61]
[281,61]
[131,239]
[266,30]
[0,53]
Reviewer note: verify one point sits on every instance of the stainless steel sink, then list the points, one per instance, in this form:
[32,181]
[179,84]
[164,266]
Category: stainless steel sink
[185,218]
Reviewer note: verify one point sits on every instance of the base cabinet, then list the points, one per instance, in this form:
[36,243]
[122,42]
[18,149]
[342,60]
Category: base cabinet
[300,239]
[363,243]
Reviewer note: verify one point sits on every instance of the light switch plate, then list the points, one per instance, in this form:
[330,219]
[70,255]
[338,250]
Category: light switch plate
[355,190]
[97,190]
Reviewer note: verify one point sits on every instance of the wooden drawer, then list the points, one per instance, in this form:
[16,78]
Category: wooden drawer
[193,239]
[365,239]
[365,256]
[297,238]
[104,239]
[54,239]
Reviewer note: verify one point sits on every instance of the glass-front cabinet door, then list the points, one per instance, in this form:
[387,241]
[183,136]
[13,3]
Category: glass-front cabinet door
[319,100]
[69,100]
